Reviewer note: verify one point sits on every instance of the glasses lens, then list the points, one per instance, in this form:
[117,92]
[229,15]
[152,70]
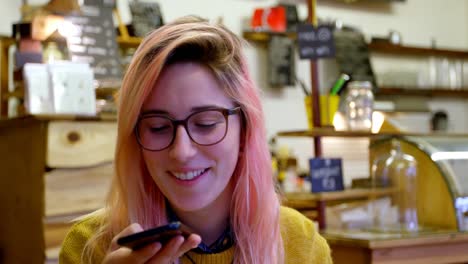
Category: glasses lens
[207,127]
[155,132]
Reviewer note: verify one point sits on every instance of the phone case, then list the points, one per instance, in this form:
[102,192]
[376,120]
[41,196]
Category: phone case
[160,234]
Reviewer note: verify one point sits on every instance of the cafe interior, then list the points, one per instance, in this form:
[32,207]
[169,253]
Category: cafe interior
[365,107]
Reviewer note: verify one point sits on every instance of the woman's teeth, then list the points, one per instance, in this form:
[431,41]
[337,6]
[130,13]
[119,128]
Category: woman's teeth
[188,175]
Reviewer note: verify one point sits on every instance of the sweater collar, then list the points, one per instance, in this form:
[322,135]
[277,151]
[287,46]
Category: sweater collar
[224,241]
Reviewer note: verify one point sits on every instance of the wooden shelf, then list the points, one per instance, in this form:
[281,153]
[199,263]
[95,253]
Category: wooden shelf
[427,246]
[434,92]
[348,194]
[100,93]
[264,37]
[326,132]
[380,46]
[386,47]
[129,42]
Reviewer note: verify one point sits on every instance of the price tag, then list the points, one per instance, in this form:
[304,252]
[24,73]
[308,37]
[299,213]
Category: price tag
[315,42]
[326,175]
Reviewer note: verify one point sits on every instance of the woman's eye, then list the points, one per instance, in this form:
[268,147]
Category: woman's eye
[206,124]
[159,129]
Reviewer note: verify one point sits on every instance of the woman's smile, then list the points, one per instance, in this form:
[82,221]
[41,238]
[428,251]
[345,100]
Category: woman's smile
[189,175]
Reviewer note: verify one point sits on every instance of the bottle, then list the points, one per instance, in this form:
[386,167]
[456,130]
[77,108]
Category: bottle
[52,53]
[359,106]
[398,171]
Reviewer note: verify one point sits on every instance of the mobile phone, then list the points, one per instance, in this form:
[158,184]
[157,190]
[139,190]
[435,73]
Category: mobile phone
[160,234]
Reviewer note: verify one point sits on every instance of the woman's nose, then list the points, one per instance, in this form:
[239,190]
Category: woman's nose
[183,147]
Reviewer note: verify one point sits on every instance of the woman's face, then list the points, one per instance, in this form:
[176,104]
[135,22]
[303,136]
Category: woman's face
[191,176]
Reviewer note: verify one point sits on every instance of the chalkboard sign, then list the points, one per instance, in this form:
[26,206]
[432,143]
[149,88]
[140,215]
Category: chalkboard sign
[315,42]
[91,39]
[326,175]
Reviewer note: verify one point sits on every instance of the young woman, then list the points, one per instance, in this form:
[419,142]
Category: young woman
[192,147]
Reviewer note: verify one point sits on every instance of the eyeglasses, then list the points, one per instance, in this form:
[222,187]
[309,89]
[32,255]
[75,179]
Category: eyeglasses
[157,132]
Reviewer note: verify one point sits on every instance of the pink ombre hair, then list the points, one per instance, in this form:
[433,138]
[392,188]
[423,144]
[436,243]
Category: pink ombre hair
[134,196]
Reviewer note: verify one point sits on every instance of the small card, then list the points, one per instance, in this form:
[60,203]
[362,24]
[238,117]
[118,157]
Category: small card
[59,88]
[326,175]
[73,90]
[38,93]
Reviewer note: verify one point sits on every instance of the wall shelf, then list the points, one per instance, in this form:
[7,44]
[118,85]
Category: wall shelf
[327,132]
[264,37]
[433,92]
[388,48]
[375,46]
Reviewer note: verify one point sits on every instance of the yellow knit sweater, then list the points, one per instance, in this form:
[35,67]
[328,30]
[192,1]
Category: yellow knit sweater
[302,243]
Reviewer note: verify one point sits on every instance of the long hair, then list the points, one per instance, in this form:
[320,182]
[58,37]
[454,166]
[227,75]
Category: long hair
[134,196]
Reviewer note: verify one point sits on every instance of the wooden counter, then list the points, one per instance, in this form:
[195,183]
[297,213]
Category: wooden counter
[391,248]
[53,169]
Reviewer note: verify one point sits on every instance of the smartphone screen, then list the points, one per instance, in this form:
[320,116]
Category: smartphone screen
[160,234]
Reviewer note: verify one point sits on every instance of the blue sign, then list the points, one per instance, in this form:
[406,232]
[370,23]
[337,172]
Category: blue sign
[326,175]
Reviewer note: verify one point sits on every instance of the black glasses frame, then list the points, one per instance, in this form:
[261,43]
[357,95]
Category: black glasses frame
[183,122]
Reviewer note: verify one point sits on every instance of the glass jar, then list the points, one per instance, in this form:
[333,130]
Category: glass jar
[396,170]
[52,53]
[359,106]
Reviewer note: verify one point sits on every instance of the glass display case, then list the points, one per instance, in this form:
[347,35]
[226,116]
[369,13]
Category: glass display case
[442,177]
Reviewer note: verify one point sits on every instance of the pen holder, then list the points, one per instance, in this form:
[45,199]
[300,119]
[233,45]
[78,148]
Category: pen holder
[328,107]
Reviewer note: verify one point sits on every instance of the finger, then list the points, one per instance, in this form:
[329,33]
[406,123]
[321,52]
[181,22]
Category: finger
[127,255]
[190,243]
[131,229]
[169,252]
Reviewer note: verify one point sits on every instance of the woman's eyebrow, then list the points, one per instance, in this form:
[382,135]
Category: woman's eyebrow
[207,107]
[154,112]
[193,109]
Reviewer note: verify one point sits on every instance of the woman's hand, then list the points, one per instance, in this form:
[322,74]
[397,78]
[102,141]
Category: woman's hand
[152,253]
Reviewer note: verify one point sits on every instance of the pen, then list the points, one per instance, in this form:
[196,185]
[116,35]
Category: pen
[303,86]
[339,84]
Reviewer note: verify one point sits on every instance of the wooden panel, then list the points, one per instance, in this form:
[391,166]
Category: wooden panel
[5,43]
[350,254]
[76,191]
[77,144]
[437,247]
[427,254]
[55,233]
[435,204]
[71,193]
[22,165]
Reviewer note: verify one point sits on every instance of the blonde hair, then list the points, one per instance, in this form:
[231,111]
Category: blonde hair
[134,196]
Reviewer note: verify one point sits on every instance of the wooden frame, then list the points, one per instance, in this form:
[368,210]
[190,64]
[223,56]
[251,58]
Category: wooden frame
[5,43]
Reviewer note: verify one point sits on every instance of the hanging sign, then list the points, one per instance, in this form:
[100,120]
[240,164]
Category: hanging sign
[315,42]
